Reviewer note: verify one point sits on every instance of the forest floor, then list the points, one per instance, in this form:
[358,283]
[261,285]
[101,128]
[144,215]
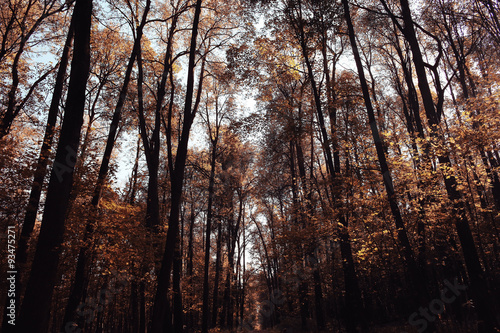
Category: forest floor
[443,327]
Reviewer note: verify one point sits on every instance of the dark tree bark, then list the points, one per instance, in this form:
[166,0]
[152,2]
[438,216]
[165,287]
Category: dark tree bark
[190,255]
[484,304]
[415,274]
[159,310]
[40,171]
[228,299]
[176,279]
[35,312]
[215,294]
[355,311]
[80,282]
[411,111]
[299,223]
[152,144]
[131,193]
[208,233]
[310,255]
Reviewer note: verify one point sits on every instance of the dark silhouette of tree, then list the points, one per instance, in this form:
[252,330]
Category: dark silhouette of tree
[43,273]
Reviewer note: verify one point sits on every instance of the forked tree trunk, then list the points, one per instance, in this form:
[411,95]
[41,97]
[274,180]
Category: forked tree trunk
[152,144]
[159,310]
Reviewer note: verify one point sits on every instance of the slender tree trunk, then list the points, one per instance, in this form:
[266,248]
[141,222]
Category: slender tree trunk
[35,312]
[231,244]
[415,129]
[133,179]
[142,305]
[189,272]
[224,321]
[353,298]
[80,283]
[310,255]
[484,304]
[332,110]
[177,292]
[416,277]
[353,293]
[134,306]
[295,216]
[215,295]
[208,233]
[43,159]
[177,177]
[82,154]
[152,145]
[243,284]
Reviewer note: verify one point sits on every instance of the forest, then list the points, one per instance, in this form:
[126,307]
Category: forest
[249,166]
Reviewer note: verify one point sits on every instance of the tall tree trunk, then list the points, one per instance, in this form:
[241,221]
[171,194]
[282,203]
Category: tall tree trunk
[415,130]
[243,283]
[43,159]
[208,233]
[190,256]
[352,296]
[35,312]
[82,154]
[142,305]
[152,145]
[177,292]
[484,304]
[177,177]
[415,275]
[39,175]
[131,193]
[330,96]
[218,261]
[80,282]
[231,245]
[226,298]
[295,216]
[310,255]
